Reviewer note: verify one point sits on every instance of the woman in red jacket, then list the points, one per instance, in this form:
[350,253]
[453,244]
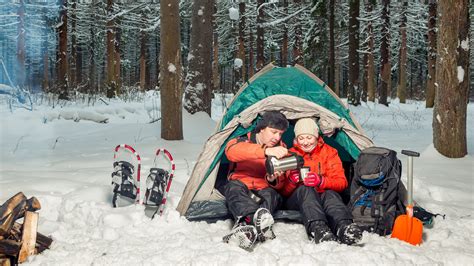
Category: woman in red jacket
[316,195]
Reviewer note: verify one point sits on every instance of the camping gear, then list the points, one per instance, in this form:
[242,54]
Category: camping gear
[408,228]
[295,92]
[126,188]
[158,184]
[303,173]
[272,164]
[426,217]
[375,190]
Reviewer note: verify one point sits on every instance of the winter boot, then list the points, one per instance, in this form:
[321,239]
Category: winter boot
[319,232]
[263,221]
[349,233]
[242,235]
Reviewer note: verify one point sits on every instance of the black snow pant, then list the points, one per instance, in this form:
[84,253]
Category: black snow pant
[327,206]
[240,203]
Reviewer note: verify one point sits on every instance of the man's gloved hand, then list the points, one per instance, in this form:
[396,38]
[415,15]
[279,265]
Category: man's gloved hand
[275,176]
[294,176]
[313,180]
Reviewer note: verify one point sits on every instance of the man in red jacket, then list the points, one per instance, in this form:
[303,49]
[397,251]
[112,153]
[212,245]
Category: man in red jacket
[316,196]
[250,198]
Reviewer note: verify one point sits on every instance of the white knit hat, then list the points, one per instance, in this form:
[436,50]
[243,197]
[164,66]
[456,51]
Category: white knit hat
[306,126]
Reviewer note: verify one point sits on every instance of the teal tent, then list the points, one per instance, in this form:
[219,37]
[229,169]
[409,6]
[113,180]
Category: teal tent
[295,92]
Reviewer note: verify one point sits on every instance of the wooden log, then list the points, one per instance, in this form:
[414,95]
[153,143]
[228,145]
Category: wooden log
[30,226]
[14,209]
[5,261]
[9,247]
[10,204]
[33,204]
[11,213]
[43,242]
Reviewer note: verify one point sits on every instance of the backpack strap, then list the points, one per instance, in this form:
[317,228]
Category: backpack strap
[243,138]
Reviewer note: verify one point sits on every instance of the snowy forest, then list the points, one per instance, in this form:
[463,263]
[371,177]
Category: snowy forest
[363,50]
[316,34]
[79,77]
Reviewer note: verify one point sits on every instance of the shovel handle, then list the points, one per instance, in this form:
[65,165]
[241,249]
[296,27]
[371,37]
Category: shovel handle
[411,153]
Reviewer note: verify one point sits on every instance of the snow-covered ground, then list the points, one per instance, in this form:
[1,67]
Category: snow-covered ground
[67,166]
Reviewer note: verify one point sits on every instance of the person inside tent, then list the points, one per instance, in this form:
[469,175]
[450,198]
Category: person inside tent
[250,198]
[316,195]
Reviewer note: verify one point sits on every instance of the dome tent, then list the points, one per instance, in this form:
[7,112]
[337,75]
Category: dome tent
[295,92]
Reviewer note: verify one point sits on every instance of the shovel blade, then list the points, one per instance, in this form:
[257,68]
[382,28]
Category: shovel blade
[409,229]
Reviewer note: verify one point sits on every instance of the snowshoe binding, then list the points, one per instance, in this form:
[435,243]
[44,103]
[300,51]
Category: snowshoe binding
[123,183]
[126,188]
[158,184]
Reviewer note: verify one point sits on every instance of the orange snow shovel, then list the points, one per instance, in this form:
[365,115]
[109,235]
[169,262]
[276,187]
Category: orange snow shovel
[408,228]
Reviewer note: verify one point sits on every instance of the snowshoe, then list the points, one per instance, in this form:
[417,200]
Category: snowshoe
[263,221]
[242,235]
[126,189]
[158,184]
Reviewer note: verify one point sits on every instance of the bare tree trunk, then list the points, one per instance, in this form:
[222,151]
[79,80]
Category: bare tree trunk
[197,95]
[284,43]
[298,46]
[385,71]
[452,73]
[430,83]
[171,77]
[143,56]
[20,52]
[370,56]
[117,61]
[45,66]
[73,59]
[337,76]
[62,53]
[260,36]
[243,70]
[92,88]
[331,45]
[251,56]
[112,86]
[353,85]
[363,82]
[80,54]
[215,54]
[402,77]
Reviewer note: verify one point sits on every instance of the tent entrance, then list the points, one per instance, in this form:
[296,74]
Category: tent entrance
[214,210]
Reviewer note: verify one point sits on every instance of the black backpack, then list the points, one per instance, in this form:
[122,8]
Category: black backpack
[375,190]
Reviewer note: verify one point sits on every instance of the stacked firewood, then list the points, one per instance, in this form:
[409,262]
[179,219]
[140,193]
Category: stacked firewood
[20,240]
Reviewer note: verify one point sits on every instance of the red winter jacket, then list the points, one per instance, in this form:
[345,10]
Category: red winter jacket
[248,161]
[331,168]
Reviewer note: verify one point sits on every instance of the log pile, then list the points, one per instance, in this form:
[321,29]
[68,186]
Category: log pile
[20,240]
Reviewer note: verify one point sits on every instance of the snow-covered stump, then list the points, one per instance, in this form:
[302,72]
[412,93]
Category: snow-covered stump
[19,241]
